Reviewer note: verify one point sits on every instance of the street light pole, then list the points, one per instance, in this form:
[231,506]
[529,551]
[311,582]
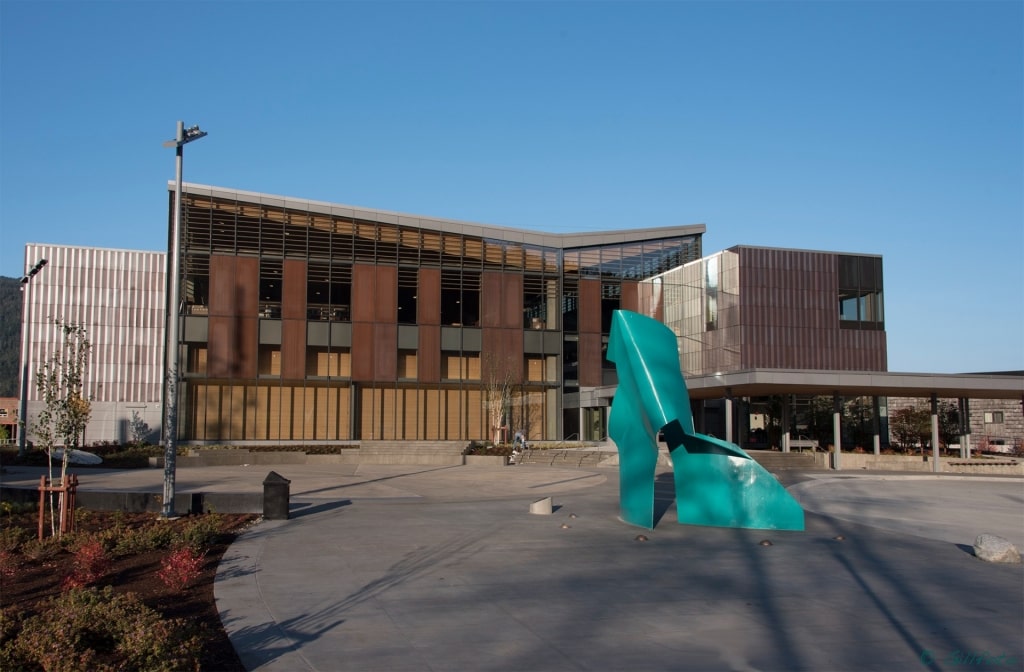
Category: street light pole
[171,376]
[26,314]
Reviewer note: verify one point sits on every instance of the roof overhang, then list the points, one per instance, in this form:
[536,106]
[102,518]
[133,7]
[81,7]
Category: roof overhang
[530,237]
[766,382]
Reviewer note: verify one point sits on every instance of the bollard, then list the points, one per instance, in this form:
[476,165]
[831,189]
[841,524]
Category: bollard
[542,507]
[275,496]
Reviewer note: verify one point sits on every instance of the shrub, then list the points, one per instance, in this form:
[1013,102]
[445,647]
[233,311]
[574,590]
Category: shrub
[91,564]
[37,550]
[202,531]
[143,539]
[12,538]
[8,564]
[89,629]
[181,567]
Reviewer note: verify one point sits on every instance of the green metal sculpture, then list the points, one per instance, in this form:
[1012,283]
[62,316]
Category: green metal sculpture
[717,483]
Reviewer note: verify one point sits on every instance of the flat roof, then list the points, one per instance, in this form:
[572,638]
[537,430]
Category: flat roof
[766,382]
[557,240]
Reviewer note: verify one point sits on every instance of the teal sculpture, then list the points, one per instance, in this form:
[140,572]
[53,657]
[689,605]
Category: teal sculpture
[716,482]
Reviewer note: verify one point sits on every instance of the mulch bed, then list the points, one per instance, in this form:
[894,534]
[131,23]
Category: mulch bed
[35,581]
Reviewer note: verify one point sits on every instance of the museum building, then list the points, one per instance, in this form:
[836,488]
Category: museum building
[309,321]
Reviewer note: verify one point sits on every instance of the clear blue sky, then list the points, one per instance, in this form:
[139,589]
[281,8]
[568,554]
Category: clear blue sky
[893,128]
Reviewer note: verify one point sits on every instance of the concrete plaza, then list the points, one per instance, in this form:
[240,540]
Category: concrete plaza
[404,568]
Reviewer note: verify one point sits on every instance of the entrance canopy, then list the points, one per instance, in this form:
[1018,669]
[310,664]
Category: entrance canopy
[766,382]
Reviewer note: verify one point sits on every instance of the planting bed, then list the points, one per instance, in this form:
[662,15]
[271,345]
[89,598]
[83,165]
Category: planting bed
[29,578]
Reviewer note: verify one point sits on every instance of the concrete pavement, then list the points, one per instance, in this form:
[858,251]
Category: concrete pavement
[427,568]
[447,570]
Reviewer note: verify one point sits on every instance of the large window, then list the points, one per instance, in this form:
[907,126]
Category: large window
[407,278]
[860,292]
[460,298]
[270,288]
[328,291]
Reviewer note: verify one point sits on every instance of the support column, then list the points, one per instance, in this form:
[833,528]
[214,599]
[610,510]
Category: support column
[837,431]
[728,415]
[876,425]
[935,432]
[786,410]
[965,431]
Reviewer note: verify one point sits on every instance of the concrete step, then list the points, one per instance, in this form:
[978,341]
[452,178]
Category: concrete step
[564,458]
[774,460]
[428,453]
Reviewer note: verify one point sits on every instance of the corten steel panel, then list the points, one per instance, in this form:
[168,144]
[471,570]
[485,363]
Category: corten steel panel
[247,286]
[630,299]
[362,351]
[222,285]
[490,299]
[246,345]
[293,292]
[363,282]
[590,359]
[428,356]
[293,349]
[428,296]
[590,308]
[220,346]
[512,340]
[501,351]
[385,352]
[512,301]
[386,295]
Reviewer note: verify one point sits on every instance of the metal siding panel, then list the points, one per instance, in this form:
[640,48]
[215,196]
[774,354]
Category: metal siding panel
[363,281]
[386,295]
[362,351]
[590,308]
[512,301]
[385,351]
[590,360]
[490,299]
[428,356]
[222,285]
[428,299]
[293,294]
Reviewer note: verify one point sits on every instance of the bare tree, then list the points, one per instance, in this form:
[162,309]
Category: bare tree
[498,382]
[66,409]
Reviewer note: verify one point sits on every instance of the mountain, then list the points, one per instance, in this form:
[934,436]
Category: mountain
[10,335]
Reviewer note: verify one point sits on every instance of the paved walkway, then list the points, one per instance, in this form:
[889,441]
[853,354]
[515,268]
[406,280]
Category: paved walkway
[445,569]
[420,568]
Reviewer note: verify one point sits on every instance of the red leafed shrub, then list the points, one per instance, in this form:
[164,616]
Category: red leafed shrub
[91,629]
[181,567]
[8,564]
[91,563]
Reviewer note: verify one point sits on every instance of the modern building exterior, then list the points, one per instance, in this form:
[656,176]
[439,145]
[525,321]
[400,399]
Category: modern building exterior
[9,418]
[119,297]
[308,321]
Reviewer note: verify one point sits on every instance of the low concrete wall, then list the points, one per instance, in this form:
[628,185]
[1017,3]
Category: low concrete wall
[241,456]
[486,460]
[137,502]
[948,465]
